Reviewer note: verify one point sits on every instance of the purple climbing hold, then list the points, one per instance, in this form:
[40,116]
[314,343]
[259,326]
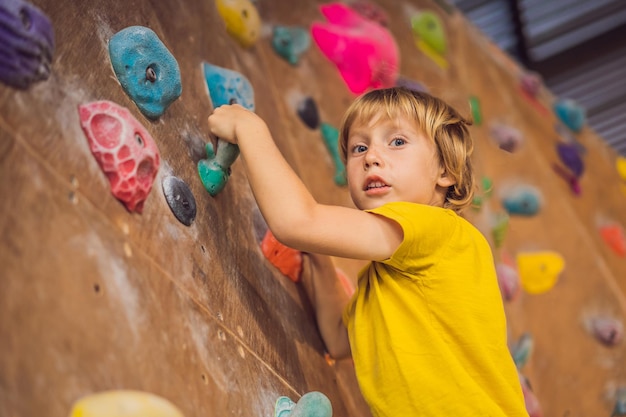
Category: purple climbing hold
[570,156]
[26,44]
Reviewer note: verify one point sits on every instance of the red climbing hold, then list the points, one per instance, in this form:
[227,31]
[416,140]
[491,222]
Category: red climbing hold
[124,150]
[287,260]
[613,235]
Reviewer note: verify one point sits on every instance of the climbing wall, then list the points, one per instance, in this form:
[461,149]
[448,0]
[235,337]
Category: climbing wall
[101,291]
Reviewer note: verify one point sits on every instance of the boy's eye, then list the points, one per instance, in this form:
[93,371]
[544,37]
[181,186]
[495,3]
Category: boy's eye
[359,148]
[398,142]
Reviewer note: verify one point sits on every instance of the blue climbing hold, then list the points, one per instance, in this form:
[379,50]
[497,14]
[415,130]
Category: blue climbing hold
[522,201]
[26,44]
[571,114]
[291,42]
[227,86]
[146,69]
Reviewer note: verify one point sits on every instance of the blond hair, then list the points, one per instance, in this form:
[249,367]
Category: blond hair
[436,119]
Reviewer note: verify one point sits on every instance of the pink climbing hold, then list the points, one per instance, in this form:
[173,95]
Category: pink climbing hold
[286,259]
[607,330]
[530,400]
[124,150]
[364,52]
[508,280]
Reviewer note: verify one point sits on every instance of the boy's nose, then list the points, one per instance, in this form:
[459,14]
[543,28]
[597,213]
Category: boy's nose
[372,158]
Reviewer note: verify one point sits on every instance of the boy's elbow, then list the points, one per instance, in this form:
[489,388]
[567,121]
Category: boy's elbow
[339,354]
[290,233]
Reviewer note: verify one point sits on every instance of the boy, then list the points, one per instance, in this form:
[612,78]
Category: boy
[426,326]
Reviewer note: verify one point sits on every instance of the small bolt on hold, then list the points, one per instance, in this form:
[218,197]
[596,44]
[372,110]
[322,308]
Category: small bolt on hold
[151,74]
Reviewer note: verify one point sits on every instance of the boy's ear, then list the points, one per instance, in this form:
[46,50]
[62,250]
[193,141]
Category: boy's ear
[445,180]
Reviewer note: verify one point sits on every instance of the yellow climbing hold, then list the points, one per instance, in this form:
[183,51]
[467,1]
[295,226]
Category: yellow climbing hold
[242,20]
[124,404]
[539,271]
[620,164]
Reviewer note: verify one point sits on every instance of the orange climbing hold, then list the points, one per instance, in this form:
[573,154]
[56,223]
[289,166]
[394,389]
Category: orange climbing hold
[287,260]
[346,283]
[613,235]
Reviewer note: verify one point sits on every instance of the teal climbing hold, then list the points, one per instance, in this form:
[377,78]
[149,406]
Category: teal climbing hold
[146,69]
[570,114]
[214,171]
[283,407]
[225,87]
[291,42]
[311,404]
[522,201]
[331,139]
[620,403]
[522,350]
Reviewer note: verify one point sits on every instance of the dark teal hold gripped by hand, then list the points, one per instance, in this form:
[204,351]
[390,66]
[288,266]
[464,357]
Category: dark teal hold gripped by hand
[146,69]
[224,87]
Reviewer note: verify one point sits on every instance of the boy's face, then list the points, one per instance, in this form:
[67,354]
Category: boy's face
[392,160]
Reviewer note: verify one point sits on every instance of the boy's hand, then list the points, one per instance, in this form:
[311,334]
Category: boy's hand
[228,120]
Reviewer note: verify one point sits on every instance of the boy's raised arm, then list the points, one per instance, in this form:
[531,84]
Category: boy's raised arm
[290,210]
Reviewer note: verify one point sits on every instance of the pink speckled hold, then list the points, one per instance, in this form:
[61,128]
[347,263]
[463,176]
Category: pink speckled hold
[124,150]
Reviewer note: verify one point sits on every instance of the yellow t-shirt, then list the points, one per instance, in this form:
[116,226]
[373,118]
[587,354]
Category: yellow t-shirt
[427,326]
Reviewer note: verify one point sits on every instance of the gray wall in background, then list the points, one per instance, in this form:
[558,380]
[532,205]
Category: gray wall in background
[579,47]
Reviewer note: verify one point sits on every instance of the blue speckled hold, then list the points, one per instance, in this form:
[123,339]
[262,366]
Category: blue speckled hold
[26,44]
[146,69]
[570,114]
[225,87]
[523,201]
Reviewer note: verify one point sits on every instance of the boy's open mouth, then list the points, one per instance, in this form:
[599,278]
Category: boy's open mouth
[374,183]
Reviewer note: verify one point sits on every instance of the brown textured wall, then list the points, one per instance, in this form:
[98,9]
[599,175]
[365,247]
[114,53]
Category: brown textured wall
[94,298]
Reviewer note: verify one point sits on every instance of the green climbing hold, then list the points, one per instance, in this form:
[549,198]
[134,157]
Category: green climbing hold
[476,113]
[428,27]
[331,139]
